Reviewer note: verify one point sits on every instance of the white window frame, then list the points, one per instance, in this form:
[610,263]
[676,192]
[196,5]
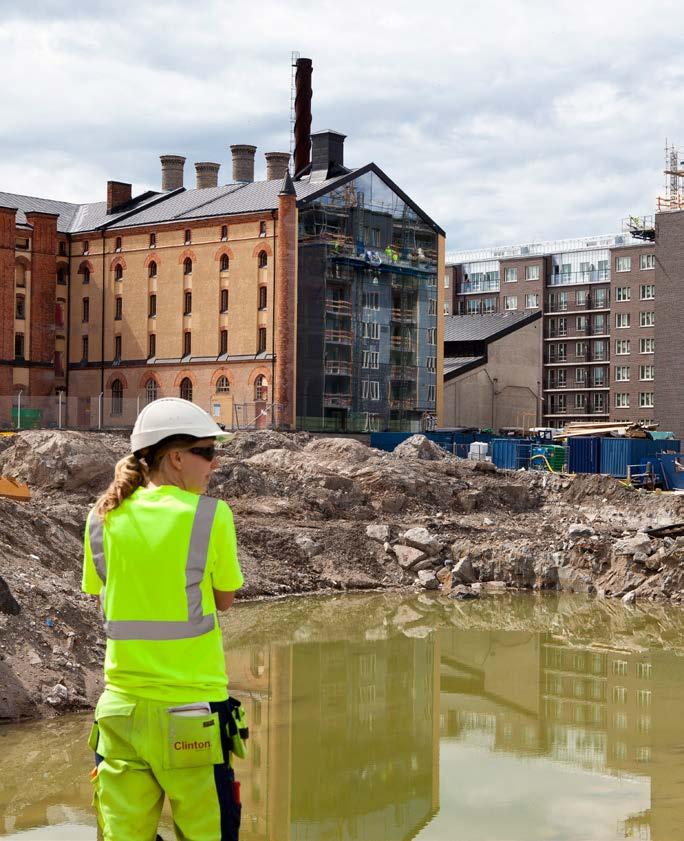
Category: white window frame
[511,274]
[622,320]
[622,373]
[644,288]
[648,342]
[431,363]
[432,335]
[509,298]
[621,400]
[531,296]
[532,272]
[623,293]
[645,370]
[431,393]
[623,264]
[371,301]
[647,319]
[446,281]
[622,347]
[646,400]
[646,261]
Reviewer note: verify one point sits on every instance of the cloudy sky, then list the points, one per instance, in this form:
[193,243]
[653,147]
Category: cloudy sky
[506,121]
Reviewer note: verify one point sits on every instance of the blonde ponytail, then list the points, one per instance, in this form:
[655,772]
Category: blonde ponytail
[129,474]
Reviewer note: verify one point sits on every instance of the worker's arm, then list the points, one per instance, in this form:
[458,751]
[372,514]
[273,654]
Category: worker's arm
[224,599]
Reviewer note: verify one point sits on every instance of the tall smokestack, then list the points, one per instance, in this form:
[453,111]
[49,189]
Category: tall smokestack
[243,162]
[206,174]
[276,165]
[302,128]
[172,171]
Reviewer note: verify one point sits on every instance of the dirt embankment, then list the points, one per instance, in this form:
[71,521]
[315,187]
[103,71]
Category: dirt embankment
[317,514]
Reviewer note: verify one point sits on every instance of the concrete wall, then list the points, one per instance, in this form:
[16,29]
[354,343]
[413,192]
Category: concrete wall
[474,399]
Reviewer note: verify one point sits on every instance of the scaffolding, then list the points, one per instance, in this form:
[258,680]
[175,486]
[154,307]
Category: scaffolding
[673,198]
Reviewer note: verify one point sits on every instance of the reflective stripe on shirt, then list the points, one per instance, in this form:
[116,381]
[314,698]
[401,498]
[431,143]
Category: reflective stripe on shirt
[195,566]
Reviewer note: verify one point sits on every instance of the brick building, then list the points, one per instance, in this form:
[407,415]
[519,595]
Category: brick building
[308,303]
[597,299]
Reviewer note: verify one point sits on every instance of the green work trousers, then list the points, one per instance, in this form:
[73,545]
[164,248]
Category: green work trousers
[143,752]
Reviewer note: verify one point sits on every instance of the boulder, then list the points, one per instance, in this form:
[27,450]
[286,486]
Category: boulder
[379,532]
[577,530]
[631,545]
[428,579]
[418,446]
[463,593]
[308,546]
[420,538]
[629,598]
[464,572]
[407,556]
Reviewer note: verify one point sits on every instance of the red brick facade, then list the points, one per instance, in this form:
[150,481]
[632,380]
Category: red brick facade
[7,244]
[43,279]
[285,316]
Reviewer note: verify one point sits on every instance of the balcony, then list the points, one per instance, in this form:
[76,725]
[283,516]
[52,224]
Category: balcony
[402,403]
[402,343]
[337,307]
[592,275]
[553,305]
[404,316]
[475,287]
[339,337]
[337,401]
[573,332]
[407,373]
[336,367]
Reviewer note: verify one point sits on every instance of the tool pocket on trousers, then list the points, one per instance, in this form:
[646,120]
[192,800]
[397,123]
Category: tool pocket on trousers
[231,810]
[192,741]
[112,729]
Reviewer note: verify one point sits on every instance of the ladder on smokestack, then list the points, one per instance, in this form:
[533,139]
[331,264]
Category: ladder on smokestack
[294,58]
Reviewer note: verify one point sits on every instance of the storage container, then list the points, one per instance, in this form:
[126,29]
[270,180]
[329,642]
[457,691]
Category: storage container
[617,453]
[511,453]
[584,455]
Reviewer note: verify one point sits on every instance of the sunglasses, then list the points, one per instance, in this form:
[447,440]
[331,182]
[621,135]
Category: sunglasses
[207,453]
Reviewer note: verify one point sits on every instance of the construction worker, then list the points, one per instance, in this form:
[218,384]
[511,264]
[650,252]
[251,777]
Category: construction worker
[162,558]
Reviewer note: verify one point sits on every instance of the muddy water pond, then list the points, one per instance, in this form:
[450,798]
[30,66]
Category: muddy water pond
[386,718]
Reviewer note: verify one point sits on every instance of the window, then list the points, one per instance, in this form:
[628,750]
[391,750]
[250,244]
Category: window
[446,281]
[431,394]
[262,229]
[472,306]
[622,319]
[622,373]
[371,330]
[186,389]
[622,400]
[260,388]
[432,306]
[580,349]
[20,307]
[646,345]
[263,260]
[646,372]
[224,233]
[432,335]
[599,377]
[489,305]
[599,351]
[84,348]
[187,303]
[580,375]
[623,264]
[623,293]
[223,342]
[580,402]
[531,272]
[222,385]
[262,340]
[19,345]
[370,390]
[86,246]
[599,323]
[531,301]
[151,389]
[118,272]
[153,244]
[622,347]
[225,263]
[223,303]
[187,266]
[644,671]
[152,269]
[152,313]
[371,359]
[647,261]
[152,346]
[262,297]
[581,297]
[85,316]
[117,244]
[62,248]
[511,274]
[62,276]
[646,319]
[117,347]
[371,300]
[510,302]
[117,397]
[619,695]
[446,308]
[187,343]
[646,400]
[431,362]
[187,236]
[647,291]
[581,323]
[86,275]
[118,309]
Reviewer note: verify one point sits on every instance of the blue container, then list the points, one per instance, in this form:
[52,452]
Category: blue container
[511,453]
[584,455]
[673,479]
[617,453]
[656,468]
[387,441]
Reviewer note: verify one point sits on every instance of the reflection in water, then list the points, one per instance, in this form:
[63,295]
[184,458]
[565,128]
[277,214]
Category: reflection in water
[378,719]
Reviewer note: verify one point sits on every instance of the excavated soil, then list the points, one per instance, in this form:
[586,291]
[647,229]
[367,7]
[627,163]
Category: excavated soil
[318,515]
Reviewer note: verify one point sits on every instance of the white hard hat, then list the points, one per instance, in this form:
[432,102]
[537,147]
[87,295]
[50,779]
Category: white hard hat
[170,416]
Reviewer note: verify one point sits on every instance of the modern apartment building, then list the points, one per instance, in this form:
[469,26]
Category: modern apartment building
[597,298]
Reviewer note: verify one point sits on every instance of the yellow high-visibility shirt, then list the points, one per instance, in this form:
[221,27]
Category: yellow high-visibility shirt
[146,541]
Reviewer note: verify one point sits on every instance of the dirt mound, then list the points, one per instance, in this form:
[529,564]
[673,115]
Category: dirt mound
[590,486]
[247,444]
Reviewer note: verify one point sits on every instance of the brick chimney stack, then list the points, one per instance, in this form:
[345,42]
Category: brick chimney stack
[276,165]
[285,303]
[172,171]
[206,174]
[243,162]
[119,195]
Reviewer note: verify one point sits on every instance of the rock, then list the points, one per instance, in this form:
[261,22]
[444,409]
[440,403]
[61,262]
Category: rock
[378,531]
[463,593]
[640,557]
[494,586]
[8,604]
[445,578]
[631,545]
[629,598]
[308,546]
[428,563]
[418,446]
[405,614]
[580,530]
[419,632]
[35,659]
[57,696]
[464,572]
[484,467]
[388,548]
[487,522]
[420,538]
[428,579]
[407,556]
[392,503]
[654,562]
[469,501]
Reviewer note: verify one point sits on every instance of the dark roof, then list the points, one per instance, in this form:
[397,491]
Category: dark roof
[457,363]
[484,328]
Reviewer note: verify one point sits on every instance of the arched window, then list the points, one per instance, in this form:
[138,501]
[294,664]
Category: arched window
[86,275]
[222,385]
[118,272]
[151,390]
[187,266]
[117,397]
[224,233]
[186,389]
[152,269]
[224,300]
[263,259]
[225,263]
[260,388]
[62,275]
[20,274]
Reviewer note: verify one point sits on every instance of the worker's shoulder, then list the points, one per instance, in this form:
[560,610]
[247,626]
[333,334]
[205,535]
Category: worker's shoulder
[222,510]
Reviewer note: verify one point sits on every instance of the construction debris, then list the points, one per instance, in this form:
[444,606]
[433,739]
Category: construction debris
[616,430]
[14,490]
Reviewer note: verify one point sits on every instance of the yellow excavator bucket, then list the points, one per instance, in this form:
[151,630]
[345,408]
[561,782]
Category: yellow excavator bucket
[14,490]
